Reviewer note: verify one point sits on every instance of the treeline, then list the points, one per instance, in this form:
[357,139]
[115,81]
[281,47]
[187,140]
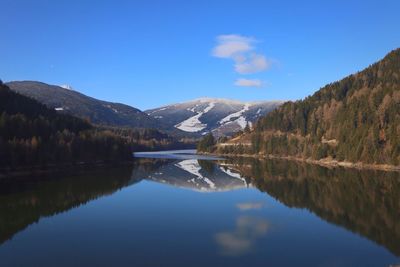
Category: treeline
[149,139]
[207,143]
[356,119]
[33,135]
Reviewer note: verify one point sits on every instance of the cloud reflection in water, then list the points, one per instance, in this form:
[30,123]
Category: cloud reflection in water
[249,206]
[242,239]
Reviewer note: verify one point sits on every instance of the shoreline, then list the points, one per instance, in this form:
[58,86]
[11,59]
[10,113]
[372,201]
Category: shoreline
[322,162]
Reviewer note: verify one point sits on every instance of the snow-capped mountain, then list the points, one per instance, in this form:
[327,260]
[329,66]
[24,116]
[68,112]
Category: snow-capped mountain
[219,116]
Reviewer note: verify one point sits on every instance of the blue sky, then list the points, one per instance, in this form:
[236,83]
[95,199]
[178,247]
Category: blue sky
[150,53]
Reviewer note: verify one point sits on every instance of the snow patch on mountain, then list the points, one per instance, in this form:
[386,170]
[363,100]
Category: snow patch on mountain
[193,124]
[223,116]
[241,120]
[157,110]
[66,86]
[215,100]
[210,107]
[193,109]
[110,107]
[235,115]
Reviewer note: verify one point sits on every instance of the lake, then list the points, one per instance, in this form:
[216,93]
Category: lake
[181,209]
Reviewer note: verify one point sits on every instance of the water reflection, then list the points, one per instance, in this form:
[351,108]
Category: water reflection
[365,202]
[249,206]
[197,175]
[243,238]
[25,202]
[232,225]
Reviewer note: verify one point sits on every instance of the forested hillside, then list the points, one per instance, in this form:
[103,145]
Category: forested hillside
[150,139]
[356,119]
[96,111]
[33,135]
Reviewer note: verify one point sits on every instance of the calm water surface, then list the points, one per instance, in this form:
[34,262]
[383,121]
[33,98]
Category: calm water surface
[189,210]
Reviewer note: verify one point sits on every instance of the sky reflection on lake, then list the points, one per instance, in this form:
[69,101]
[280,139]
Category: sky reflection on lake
[192,212]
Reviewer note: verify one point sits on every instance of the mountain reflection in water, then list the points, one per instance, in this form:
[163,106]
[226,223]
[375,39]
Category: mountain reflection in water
[233,223]
[198,175]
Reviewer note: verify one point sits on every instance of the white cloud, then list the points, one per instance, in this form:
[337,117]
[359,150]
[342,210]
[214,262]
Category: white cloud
[252,64]
[241,50]
[248,82]
[230,45]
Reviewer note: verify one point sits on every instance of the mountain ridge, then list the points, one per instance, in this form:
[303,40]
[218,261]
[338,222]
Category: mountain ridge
[66,99]
[217,115]
[217,99]
[86,107]
[34,136]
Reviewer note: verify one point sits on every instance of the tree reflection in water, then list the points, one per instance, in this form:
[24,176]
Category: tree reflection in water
[366,202]
[25,202]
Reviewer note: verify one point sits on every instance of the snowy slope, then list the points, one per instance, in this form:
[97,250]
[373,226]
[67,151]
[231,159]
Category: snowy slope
[219,116]
[193,124]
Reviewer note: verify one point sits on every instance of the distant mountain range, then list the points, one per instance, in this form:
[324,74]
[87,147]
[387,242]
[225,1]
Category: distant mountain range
[190,119]
[218,116]
[65,100]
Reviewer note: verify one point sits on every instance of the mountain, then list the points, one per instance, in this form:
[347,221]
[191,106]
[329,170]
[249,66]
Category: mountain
[219,116]
[32,135]
[66,100]
[355,120]
[190,119]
